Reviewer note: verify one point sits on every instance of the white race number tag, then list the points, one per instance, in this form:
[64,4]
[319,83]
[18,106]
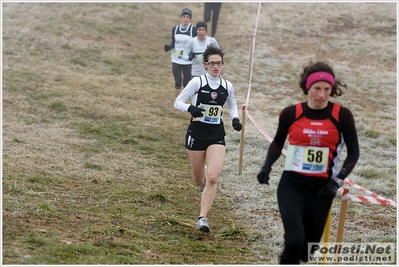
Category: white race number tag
[180,53]
[211,114]
[199,59]
[308,159]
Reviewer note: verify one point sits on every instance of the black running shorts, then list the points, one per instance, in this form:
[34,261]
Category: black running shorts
[192,143]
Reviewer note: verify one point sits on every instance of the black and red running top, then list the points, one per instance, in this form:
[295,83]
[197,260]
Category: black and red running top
[316,139]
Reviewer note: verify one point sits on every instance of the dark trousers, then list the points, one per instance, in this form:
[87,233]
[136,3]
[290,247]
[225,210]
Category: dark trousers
[181,73]
[215,7]
[303,213]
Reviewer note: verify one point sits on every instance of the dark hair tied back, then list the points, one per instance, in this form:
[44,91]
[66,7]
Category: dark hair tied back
[317,67]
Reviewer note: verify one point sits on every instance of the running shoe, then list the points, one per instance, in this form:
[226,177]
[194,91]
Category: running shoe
[202,225]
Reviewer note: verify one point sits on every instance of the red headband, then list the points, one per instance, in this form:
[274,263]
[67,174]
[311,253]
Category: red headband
[319,76]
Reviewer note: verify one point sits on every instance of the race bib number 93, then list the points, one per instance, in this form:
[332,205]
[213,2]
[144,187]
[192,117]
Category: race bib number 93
[211,114]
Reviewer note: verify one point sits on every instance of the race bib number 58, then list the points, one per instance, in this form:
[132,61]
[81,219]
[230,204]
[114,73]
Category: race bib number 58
[308,159]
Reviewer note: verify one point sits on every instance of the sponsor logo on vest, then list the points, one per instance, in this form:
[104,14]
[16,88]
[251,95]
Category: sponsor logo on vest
[316,123]
[214,95]
[311,131]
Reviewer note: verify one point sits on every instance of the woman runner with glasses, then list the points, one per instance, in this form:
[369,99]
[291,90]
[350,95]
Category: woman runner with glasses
[205,138]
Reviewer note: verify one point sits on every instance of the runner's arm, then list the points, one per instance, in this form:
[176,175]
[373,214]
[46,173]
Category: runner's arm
[351,141]
[187,50]
[190,91]
[285,120]
[231,101]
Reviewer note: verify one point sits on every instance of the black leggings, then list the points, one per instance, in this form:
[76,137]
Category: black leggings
[178,70]
[207,15]
[303,213]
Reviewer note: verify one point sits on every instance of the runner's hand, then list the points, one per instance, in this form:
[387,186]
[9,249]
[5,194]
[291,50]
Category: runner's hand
[331,188]
[263,175]
[168,48]
[195,112]
[237,125]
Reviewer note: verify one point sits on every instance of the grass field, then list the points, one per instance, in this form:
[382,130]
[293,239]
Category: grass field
[94,169]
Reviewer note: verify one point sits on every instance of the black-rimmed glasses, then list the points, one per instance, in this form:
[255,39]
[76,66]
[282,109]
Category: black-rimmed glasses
[213,63]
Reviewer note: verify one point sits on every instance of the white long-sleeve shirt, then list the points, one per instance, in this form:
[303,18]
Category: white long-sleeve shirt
[198,48]
[191,89]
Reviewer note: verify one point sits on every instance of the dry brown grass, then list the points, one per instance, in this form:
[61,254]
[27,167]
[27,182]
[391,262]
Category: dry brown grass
[93,160]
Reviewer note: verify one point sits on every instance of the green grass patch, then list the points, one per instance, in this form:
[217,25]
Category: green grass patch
[78,61]
[58,106]
[372,133]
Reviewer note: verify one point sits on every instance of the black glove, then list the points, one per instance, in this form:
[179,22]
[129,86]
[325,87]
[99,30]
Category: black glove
[263,175]
[192,56]
[331,188]
[237,125]
[195,112]
[168,48]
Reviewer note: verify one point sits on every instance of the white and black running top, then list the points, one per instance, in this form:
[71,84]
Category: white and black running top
[211,94]
[180,38]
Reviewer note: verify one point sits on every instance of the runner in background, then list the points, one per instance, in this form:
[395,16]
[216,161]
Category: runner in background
[196,46]
[181,34]
[208,8]
[205,137]
[317,131]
